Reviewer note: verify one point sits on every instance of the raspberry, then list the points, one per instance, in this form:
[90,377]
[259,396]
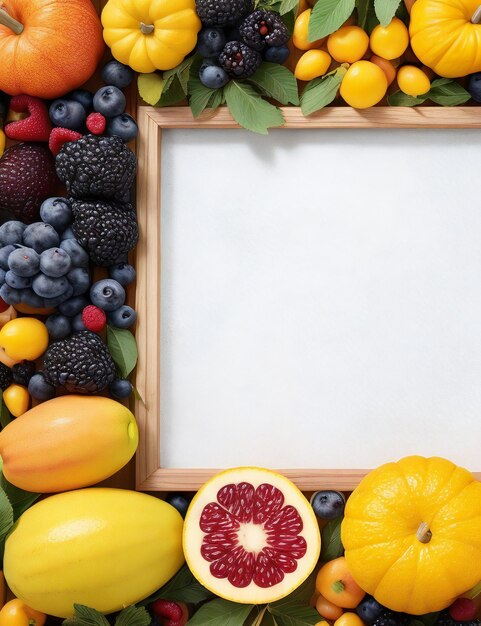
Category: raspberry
[96,123]
[170,613]
[93,318]
[59,136]
[35,127]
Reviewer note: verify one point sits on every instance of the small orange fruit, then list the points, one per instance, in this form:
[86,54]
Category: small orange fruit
[364,85]
[300,36]
[335,582]
[348,44]
[327,609]
[16,399]
[312,64]
[391,41]
[413,81]
[387,67]
[349,619]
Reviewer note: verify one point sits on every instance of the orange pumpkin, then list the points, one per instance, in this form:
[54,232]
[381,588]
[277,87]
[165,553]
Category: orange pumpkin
[48,47]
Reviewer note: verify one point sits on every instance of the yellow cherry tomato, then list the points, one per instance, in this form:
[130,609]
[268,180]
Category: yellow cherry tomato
[387,67]
[24,338]
[16,399]
[17,613]
[413,81]
[391,41]
[349,619]
[364,85]
[300,37]
[312,64]
[348,44]
[327,609]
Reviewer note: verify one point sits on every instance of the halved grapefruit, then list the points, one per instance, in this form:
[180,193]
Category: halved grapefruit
[250,536]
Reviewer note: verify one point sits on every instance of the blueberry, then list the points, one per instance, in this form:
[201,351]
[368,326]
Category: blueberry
[369,610]
[83,97]
[30,298]
[55,262]
[210,42]
[109,101]
[53,303]
[10,295]
[40,237]
[5,253]
[11,232]
[474,86]
[56,212]
[123,126]
[179,502]
[117,74]
[17,282]
[73,306]
[67,234]
[277,54]
[77,323]
[2,276]
[79,278]
[48,287]
[123,317]
[328,504]
[79,256]
[107,294]
[24,261]
[39,388]
[212,76]
[58,327]
[123,273]
[121,388]
[67,114]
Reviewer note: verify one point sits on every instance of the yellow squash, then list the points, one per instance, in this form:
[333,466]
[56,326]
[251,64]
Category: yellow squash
[412,534]
[150,35]
[105,548]
[446,35]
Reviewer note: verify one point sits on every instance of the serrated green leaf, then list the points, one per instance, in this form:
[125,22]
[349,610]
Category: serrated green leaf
[123,348]
[386,10]
[221,613]
[331,544]
[295,615]
[448,93]
[150,87]
[182,72]
[173,95]
[216,100]
[321,91]
[288,5]
[400,99]
[85,616]
[249,109]
[199,96]
[276,81]
[183,587]
[133,616]
[327,16]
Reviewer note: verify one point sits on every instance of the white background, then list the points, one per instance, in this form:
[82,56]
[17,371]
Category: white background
[321,303]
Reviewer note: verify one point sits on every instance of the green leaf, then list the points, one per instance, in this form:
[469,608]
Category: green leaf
[150,87]
[331,544]
[288,5]
[173,95]
[474,592]
[85,616]
[183,587]
[5,415]
[133,616]
[199,96]
[293,614]
[301,595]
[123,348]
[363,7]
[448,93]
[181,72]
[386,10]
[216,99]
[400,99]
[276,81]
[221,613]
[249,109]
[137,395]
[327,16]
[321,91]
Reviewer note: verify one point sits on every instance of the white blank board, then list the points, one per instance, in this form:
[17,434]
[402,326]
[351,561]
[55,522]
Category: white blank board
[321,297]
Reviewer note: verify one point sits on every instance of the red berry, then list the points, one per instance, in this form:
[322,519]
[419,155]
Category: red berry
[59,136]
[170,613]
[3,306]
[94,319]
[463,610]
[96,123]
[36,126]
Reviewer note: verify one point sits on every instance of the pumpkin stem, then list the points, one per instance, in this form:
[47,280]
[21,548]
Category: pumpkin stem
[476,19]
[338,586]
[147,29]
[423,533]
[9,22]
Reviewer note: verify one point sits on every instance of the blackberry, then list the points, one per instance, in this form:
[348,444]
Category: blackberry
[263,28]
[5,377]
[107,230]
[445,619]
[23,372]
[222,13]
[238,60]
[97,167]
[392,618]
[80,363]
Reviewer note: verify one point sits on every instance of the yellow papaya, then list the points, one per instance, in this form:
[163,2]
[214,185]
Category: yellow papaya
[105,548]
[67,443]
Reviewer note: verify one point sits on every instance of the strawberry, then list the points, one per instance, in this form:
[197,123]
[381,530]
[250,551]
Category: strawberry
[59,136]
[94,318]
[96,123]
[36,126]
[170,613]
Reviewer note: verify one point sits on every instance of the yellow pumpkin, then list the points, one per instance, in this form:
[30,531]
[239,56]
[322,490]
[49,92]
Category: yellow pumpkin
[446,36]
[150,35]
[412,534]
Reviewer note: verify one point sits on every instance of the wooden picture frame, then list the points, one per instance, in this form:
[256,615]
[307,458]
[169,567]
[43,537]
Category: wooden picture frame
[150,474]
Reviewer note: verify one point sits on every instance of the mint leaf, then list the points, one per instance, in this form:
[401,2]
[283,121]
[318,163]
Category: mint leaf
[276,81]
[400,99]
[386,10]
[150,87]
[327,16]
[249,109]
[85,616]
[183,587]
[288,5]
[331,544]
[293,614]
[133,616]
[221,613]
[321,91]
[123,348]
[448,93]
